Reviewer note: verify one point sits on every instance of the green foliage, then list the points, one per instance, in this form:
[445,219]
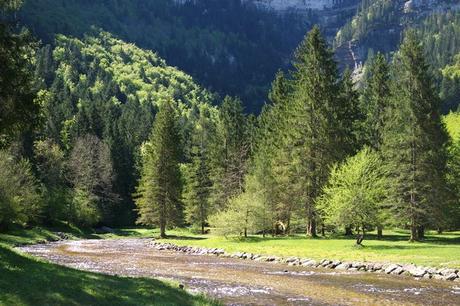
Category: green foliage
[375,101]
[452,210]
[20,202]
[355,191]
[91,175]
[50,162]
[414,146]
[243,216]
[27,281]
[18,107]
[229,152]
[315,123]
[159,190]
[229,46]
[372,14]
[197,173]
[105,87]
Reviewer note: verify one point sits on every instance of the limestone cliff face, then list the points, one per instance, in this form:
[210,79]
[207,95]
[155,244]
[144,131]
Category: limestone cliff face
[284,5]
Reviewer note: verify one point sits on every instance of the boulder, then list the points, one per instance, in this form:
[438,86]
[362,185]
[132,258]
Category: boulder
[291,259]
[309,263]
[447,271]
[391,268]
[417,272]
[343,266]
[450,277]
[397,271]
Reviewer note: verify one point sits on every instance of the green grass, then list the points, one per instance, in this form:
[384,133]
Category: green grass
[435,250]
[25,280]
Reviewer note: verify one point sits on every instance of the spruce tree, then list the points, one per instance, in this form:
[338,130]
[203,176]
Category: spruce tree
[229,152]
[414,141]
[315,130]
[375,100]
[350,116]
[198,183]
[159,190]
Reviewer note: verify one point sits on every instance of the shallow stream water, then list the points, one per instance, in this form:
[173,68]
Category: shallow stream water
[244,282]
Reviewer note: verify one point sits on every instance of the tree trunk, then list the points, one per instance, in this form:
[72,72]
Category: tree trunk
[421,232]
[245,232]
[439,231]
[379,232]
[202,228]
[312,228]
[359,237]
[162,229]
[413,233]
[323,230]
[348,231]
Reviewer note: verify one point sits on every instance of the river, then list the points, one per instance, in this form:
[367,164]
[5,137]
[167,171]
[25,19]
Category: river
[244,282]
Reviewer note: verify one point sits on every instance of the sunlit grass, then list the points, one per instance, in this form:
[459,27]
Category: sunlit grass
[25,280]
[435,250]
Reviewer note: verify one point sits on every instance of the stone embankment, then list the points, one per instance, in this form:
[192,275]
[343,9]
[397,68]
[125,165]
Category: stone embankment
[447,274]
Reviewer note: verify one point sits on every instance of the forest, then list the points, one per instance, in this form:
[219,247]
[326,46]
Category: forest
[97,131]
[193,153]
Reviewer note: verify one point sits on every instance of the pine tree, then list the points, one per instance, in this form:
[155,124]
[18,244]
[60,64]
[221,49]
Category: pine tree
[159,189]
[414,141]
[198,183]
[375,100]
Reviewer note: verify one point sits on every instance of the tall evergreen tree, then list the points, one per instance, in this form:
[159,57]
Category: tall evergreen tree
[375,100]
[159,189]
[18,107]
[198,183]
[350,116]
[315,131]
[414,141]
[229,153]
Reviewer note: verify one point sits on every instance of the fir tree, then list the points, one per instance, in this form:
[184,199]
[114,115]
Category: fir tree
[414,141]
[159,189]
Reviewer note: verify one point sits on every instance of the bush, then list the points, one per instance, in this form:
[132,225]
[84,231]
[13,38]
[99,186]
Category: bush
[20,203]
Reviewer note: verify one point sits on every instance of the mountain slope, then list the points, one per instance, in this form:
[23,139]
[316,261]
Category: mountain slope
[103,86]
[230,47]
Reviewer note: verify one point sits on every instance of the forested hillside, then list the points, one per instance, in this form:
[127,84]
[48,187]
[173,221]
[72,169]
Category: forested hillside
[99,99]
[379,26]
[231,48]
[108,133]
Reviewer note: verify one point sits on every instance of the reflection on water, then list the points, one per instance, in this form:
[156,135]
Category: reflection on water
[240,282]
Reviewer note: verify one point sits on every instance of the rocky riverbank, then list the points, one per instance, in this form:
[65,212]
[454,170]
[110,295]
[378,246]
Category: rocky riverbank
[446,274]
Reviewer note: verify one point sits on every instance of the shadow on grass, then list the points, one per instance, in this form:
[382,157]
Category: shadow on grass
[25,281]
[430,239]
[182,237]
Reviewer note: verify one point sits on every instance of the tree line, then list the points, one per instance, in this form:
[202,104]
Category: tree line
[107,133]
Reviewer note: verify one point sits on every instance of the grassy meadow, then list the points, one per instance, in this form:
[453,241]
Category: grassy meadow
[25,280]
[436,250]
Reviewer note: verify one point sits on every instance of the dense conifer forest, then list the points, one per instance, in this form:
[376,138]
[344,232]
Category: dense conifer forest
[135,134]
[97,131]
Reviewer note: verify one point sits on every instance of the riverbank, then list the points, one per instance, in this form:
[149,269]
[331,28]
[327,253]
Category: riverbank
[439,251]
[245,282]
[418,272]
[26,280]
